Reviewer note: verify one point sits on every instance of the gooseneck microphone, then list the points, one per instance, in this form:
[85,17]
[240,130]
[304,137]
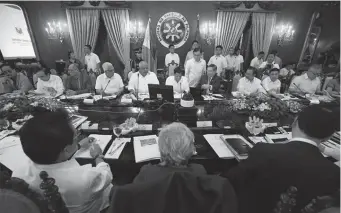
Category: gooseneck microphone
[137,89]
[298,88]
[105,87]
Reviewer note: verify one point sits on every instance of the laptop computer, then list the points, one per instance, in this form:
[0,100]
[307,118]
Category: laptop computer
[162,92]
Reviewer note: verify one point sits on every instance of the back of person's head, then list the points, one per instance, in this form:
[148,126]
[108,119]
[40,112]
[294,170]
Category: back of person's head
[318,122]
[45,136]
[176,144]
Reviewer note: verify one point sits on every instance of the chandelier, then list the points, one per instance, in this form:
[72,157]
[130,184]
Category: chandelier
[285,34]
[56,30]
[209,32]
[135,31]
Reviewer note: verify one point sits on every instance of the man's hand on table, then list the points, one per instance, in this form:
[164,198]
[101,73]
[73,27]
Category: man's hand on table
[86,142]
[205,86]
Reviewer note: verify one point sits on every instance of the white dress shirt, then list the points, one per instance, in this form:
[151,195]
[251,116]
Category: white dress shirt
[172,57]
[270,85]
[194,70]
[239,59]
[245,86]
[178,87]
[219,61]
[190,55]
[139,83]
[112,87]
[305,84]
[91,61]
[256,62]
[83,188]
[55,82]
[231,62]
[263,65]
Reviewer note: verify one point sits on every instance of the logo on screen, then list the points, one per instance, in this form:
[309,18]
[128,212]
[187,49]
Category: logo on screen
[19,30]
[172,28]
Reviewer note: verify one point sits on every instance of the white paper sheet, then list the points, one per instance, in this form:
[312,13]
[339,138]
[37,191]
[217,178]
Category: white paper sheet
[145,127]
[77,97]
[101,140]
[144,150]
[257,139]
[117,148]
[219,146]
[4,133]
[208,98]
[12,154]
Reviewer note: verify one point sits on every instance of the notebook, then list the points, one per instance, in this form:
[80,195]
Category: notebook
[146,148]
[219,146]
[101,140]
[116,148]
[238,145]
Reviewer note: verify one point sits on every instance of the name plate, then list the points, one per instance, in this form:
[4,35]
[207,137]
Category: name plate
[204,123]
[145,127]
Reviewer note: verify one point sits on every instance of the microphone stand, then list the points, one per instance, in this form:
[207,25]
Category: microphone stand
[105,87]
[137,89]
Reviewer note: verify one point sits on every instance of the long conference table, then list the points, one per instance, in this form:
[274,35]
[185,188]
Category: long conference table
[113,112]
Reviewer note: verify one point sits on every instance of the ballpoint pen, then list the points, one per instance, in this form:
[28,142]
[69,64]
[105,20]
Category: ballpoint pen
[119,146]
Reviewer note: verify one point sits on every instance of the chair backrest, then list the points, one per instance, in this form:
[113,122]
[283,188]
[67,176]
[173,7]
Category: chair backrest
[326,80]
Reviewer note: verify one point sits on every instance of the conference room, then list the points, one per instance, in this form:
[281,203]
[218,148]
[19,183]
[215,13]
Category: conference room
[160,106]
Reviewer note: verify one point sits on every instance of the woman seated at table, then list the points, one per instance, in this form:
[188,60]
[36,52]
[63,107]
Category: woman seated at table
[210,81]
[333,86]
[176,145]
[179,82]
[271,83]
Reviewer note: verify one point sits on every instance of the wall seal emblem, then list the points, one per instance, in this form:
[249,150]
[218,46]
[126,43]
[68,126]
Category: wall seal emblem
[172,28]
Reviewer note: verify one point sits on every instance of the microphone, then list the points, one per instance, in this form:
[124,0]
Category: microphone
[137,89]
[105,87]
[298,88]
[180,90]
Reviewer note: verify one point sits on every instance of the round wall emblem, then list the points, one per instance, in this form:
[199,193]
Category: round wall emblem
[172,28]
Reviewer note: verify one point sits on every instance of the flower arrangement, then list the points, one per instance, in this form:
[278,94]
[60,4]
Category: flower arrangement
[261,106]
[187,100]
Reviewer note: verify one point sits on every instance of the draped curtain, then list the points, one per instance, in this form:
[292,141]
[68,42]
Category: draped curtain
[230,26]
[83,27]
[262,28]
[116,22]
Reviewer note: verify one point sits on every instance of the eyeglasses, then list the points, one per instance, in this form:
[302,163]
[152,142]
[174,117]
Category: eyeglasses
[109,71]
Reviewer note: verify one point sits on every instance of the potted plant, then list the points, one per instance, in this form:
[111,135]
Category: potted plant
[187,100]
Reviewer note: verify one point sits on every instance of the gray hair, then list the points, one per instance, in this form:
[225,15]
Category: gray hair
[107,66]
[176,144]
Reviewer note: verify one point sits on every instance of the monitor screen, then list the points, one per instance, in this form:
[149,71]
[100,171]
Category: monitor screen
[15,40]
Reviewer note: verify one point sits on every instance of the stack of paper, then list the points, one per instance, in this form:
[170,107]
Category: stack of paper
[6,132]
[99,97]
[12,154]
[146,148]
[212,98]
[77,120]
[77,97]
[101,140]
[116,148]
[219,146]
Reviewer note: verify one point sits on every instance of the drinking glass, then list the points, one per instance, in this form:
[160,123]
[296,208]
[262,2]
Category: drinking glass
[209,92]
[117,131]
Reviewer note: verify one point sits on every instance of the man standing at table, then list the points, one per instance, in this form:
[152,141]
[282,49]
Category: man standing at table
[307,83]
[172,60]
[195,68]
[267,65]
[92,63]
[195,44]
[271,169]
[138,83]
[219,60]
[109,83]
[231,65]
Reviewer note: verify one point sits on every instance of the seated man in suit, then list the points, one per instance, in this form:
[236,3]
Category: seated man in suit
[78,81]
[211,81]
[48,140]
[272,168]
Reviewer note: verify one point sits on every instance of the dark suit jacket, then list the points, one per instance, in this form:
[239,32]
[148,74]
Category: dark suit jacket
[215,82]
[175,192]
[272,168]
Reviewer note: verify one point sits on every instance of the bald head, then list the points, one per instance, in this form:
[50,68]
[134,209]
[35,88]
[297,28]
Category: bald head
[109,69]
[143,68]
[73,70]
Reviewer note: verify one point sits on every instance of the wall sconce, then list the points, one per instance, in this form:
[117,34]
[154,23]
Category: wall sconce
[135,31]
[209,32]
[285,34]
[56,30]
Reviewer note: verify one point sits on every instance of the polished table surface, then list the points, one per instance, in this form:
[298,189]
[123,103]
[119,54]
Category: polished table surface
[113,112]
